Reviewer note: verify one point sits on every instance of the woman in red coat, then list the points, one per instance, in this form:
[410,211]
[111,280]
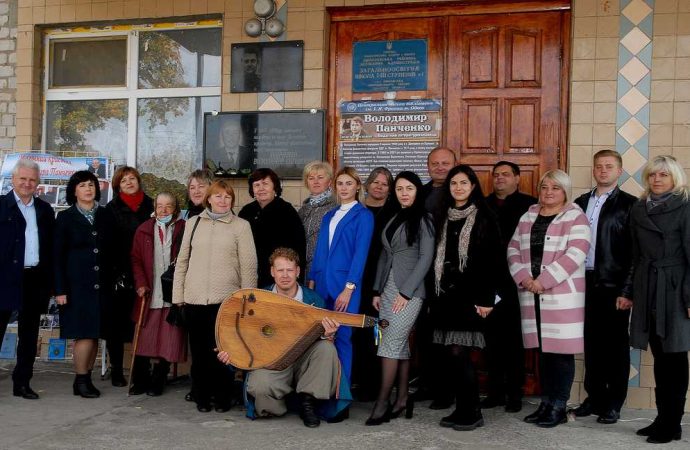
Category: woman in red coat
[156,244]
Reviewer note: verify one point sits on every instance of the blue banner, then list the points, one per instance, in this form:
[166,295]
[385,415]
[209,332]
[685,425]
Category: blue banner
[385,66]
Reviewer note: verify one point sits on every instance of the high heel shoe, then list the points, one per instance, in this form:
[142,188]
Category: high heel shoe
[374,421]
[408,409]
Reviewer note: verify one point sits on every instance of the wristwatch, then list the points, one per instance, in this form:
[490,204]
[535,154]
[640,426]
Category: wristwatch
[350,285]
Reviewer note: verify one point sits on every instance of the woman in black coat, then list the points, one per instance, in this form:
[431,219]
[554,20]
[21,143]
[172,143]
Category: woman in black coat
[83,276]
[130,208]
[660,224]
[468,252]
[275,222]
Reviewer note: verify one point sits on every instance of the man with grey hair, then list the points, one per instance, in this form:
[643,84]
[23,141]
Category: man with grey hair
[26,246]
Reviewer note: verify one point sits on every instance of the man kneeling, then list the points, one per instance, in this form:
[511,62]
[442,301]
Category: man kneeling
[315,376]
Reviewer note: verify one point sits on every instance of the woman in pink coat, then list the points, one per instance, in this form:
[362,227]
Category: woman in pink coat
[547,261]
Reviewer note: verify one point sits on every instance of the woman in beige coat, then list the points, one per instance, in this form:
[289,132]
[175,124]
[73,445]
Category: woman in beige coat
[216,258]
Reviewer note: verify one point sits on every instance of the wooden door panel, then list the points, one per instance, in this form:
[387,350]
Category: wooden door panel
[522,125]
[480,125]
[523,58]
[480,58]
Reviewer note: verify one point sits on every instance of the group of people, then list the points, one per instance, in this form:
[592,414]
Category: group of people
[450,269]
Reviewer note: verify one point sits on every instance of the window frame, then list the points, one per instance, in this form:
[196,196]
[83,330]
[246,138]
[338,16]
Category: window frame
[131,92]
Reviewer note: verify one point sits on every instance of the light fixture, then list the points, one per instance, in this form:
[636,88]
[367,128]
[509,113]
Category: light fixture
[264,22]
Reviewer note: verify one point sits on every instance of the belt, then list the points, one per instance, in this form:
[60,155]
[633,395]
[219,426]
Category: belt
[659,267]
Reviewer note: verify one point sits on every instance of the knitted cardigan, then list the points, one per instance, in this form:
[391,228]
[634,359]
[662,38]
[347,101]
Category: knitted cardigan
[562,305]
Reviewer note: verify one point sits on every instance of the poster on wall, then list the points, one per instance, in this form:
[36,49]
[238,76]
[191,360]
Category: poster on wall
[385,66]
[397,134]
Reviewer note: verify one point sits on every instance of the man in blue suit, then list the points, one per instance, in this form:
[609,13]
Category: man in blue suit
[26,246]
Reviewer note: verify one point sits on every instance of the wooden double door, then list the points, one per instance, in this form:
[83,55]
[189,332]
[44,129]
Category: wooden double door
[500,69]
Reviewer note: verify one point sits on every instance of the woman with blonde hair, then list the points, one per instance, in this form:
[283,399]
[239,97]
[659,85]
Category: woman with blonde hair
[217,257]
[340,257]
[317,177]
[546,257]
[660,224]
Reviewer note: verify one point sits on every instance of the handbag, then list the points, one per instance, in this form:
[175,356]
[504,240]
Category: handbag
[175,316]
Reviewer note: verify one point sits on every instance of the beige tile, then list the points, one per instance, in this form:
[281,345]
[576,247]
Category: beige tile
[293,100]
[636,11]
[665,6]
[581,177]
[99,11]
[582,91]
[683,23]
[681,135]
[584,27]
[639,397]
[583,8]
[296,20]
[313,79]
[583,70]
[315,20]
[682,154]
[230,102]
[312,98]
[181,7]
[660,135]
[684,6]
[661,113]
[664,47]
[82,13]
[606,69]
[604,134]
[132,9]
[608,8]
[580,134]
[682,67]
[633,101]
[662,91]
[634,70]
[584,48]
[659,151]
[633,160]
[683,46]
[632,130]
[582,113]
[607,48]
[681,113]
[604,113]
[682,90]
[580,155]
[647,359]
[248,102]
[647,377]
[215,6]
[604,91]
[608,26]
[663,68]
[313,40]
[665,24]
[313,59]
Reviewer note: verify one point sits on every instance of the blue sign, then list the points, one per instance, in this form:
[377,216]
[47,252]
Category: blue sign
[385,66]
[56,348]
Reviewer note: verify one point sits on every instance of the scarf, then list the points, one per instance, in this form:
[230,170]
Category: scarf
[319,198]
[655,200]
[89,214]
[216,216]
[133,200]
[454,214]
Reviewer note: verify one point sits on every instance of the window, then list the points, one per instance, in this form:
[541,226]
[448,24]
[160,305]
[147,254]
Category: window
[136,95]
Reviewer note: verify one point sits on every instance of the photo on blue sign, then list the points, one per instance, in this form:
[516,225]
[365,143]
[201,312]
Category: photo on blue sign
[389,66]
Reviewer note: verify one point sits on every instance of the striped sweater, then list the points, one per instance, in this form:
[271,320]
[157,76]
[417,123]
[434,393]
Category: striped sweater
[562,305]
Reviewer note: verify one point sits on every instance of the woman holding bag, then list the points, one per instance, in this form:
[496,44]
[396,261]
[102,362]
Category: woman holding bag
[156,244]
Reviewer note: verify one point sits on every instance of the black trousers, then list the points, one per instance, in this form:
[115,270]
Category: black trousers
[607,348]
[210,377]
[671,378]
[34,303]
[505,354]
[557,372]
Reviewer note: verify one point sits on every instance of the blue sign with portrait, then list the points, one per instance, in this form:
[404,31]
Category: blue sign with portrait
[385,66]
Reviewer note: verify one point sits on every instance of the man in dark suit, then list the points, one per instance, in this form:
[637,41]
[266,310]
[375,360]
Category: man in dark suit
[609,291]
[505,354]
[97,168]
[26,246]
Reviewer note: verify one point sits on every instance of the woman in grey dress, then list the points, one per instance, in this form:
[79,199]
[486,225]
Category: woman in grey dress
[408,251]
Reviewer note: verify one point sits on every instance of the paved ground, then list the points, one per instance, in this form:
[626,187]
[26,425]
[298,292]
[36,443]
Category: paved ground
[60,420]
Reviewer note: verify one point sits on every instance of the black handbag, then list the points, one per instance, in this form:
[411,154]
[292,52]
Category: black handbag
[175,316]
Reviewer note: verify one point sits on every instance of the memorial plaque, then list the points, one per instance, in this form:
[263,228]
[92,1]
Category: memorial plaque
[384,66]
[267,67]
[236,143]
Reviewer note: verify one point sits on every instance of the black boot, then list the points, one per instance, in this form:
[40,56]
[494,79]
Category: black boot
[140,374]
[117,378]
[81,387]
[469,421]
[536,415]
[450,420]
[92,388]
[158,378]
[553,416]
[650,429]
[668,426]
[308,410]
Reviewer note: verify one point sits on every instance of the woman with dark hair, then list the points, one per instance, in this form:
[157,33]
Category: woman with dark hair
[378,188]
[275,222]
[468,250]
[408,250]
[156,244]
[83,261]
[130,208]
[197,183]
[339,259]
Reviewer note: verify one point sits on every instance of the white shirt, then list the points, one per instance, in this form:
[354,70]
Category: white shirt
[596,202]
[337,217]
[30,232]
[299,296]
